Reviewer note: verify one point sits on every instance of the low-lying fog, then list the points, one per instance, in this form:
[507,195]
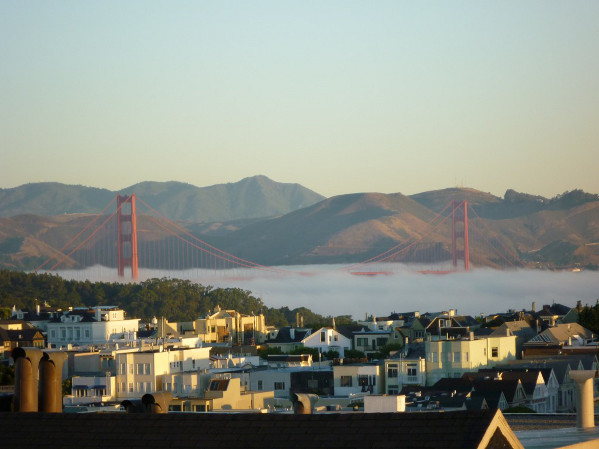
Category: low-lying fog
[329,292]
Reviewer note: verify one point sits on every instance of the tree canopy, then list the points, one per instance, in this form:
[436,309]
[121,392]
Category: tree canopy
[174,299]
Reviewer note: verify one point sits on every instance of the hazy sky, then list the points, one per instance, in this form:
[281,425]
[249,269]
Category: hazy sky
[340,96]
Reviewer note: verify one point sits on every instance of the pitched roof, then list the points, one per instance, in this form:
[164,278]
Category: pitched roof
[347,330]
[520,328]
[284,335]
[561,333]
[464,429]
[24,335]
[554,309]
[508,387]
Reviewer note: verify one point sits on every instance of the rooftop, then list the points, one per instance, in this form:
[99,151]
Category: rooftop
[243,430]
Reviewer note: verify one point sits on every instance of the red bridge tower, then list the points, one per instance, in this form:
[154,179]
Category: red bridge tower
[127,235]
[459,244]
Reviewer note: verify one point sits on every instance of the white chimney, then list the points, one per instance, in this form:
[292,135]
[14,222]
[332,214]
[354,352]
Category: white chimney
[585,414]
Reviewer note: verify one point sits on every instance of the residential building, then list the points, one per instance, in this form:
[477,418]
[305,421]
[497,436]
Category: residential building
[358,379]
[277,380]
[223,393]
[287,338]
[328,339]
[93,389]
[450,323]
[454,357]
[232,327]
[149,371]
[552,339]
[405,367]
[521,329]
[553,314]
[370,342]
[17,333]
[95,326]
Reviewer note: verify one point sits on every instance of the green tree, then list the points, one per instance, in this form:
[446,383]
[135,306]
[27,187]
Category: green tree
[266,351]
[5,313]
[588,317]
[354,354]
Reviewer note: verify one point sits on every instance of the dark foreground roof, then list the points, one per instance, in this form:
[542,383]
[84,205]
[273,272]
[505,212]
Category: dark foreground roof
[242,430]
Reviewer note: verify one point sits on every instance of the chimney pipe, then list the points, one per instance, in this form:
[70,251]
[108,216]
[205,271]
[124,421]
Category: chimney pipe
[585,414]
[303,404]
[156,402]
[26,378]
[50,395]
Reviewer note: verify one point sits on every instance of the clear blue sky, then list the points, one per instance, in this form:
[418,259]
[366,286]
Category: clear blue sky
[340,96]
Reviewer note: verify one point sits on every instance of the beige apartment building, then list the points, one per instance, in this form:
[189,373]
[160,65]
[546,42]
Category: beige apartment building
[222,326]
[149,371]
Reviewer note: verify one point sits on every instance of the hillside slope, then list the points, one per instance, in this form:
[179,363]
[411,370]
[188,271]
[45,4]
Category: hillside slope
[254,197]
[557,233]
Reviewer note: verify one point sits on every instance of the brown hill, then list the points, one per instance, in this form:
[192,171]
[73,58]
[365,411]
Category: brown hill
[352,228]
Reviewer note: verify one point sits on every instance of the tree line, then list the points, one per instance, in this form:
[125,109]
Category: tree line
[174,299]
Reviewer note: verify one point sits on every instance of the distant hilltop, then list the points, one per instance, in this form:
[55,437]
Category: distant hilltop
[254,197]
[273,223]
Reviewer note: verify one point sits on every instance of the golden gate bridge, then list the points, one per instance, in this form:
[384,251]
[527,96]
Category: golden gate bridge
[131,241]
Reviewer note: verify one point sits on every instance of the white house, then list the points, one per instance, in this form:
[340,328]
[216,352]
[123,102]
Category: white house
[454,357]
[328,339]
[91,389]
[357,379]
[83,326]
[405,367]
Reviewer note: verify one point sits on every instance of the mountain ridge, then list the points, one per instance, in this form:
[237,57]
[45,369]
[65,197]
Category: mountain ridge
[252,197]
[539,232]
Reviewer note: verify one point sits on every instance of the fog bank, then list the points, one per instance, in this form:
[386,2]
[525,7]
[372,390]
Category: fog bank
[330,292]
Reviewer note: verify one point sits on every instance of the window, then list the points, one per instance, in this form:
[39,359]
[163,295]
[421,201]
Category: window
[279,385]
[381,341]
[123,368]
[313,384]
[130,387]
[495,352]
[147,368]
[457,357]
[53,333]
[412,370]
[131,368]
[393,391]
[363,380]
[86,333]
[361,342]
[336,338]
[435,357]
[392,371]
[323,337]
[259,385]
[346,381]
[139,368]
[77,334]
[63,333]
